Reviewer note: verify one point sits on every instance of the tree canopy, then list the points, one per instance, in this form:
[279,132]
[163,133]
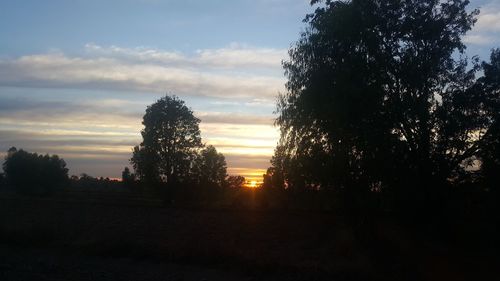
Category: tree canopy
[171,136]
[210,167]
[380,94]
[30,173]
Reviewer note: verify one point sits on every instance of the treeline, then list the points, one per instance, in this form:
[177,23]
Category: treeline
[41,175]
[171,163]
[383,111]
[31,173]
[38,174]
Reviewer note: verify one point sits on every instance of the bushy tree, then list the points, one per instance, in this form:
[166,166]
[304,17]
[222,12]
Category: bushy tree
[171,137]
[210,167]
[380,93]
[31,173]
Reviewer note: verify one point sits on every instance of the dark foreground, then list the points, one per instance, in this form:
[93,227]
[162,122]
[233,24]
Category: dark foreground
[72,238]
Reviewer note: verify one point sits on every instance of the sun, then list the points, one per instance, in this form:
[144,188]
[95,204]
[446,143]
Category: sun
[252,184]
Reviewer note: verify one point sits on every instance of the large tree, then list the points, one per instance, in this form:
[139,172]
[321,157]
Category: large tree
[171,137]
[381,94]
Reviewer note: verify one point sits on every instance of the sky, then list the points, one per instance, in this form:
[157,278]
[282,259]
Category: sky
[76,76]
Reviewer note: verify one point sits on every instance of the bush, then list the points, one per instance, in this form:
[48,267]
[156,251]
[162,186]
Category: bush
[30,173]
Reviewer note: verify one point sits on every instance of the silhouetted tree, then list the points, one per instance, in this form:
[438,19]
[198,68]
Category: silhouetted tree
[379,93]
[2,180]
[273,178]
[235,181]
[490,150]
[171,137]
[145,164]
[210,167]
[128,178]
[87,182]
[31,173]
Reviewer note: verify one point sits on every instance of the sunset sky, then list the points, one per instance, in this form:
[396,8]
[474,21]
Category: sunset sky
[76,76]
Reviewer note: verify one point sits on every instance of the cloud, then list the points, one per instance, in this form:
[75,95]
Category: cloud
[81,118]
[95,131]
[486,31]
[150,70]
[234,118]
[114,114]
[60,71]
[488,19]
[478,39]
[234,56]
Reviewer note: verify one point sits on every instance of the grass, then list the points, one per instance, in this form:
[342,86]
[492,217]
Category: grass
[293,245]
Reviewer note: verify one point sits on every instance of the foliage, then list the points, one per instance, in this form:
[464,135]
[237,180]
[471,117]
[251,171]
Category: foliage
[235,182]
[30,173]
[490,151]
[128,179]
[87,182]
[209,167]
[171,137]
[380,96]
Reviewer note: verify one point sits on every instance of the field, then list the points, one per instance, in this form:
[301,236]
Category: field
[107,237]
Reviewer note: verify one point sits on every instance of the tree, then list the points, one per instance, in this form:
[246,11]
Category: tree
[210,167]
[128,178]
[2,180]
[171,137]
[490,151]
[31,173]
[236,181]
[381,93]
[280,171]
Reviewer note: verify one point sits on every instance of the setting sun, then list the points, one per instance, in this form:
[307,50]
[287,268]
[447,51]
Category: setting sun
[252,184]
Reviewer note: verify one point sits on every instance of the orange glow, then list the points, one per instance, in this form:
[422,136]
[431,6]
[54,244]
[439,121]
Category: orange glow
[249,174]
[252,184]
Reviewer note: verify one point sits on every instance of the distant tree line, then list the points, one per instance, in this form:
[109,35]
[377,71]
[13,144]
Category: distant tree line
[382,108]
[34,174]
[87,182]
[40,175]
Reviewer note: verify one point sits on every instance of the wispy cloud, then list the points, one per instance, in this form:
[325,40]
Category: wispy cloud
[486,31]
[150,70]
[489,18]
[234,118]
[60,71]
[479,39]
[234,56]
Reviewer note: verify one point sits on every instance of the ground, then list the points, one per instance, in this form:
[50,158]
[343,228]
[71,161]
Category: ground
[100,238]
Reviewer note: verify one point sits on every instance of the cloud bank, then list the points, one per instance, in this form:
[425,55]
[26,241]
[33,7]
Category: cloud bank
[486,31]
[238,72]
